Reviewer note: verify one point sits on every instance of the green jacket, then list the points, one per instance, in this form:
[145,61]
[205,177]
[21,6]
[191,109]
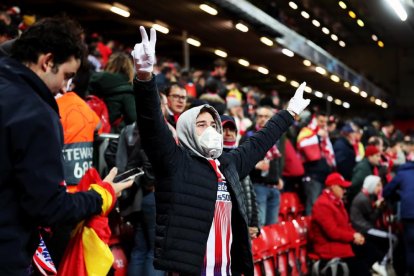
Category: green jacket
[361,170]
[116,91]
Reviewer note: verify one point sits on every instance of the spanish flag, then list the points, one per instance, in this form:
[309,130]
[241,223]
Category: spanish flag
[88,252]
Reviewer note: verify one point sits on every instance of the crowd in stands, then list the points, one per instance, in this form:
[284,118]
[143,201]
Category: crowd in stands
[349,173]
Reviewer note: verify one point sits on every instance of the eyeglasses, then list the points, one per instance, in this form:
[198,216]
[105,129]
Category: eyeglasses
[263,116]
[178,97]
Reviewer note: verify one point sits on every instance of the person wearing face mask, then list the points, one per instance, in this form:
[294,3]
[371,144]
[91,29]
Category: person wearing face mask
[366,208]
[201,223]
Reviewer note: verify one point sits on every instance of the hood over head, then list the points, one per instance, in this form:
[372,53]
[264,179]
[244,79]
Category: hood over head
[186,128]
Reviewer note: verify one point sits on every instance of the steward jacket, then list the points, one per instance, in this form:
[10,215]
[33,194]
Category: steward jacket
[186,188]
[31,177]
[79,124]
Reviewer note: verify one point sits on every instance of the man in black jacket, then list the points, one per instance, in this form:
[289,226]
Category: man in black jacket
[32,191]
[200,216]
[345,156]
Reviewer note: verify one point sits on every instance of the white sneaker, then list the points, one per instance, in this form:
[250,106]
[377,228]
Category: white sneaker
[379,269]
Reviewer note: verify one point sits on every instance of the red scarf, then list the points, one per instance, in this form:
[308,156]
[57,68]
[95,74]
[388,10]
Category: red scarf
[176,116]
[273,152]
[310,133]
[229,145]
[334,198]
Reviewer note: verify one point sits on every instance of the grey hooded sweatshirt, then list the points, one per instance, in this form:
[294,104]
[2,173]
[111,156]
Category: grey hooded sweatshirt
[186,128]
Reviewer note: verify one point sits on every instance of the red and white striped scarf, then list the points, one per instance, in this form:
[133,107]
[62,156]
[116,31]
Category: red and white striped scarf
[308,143]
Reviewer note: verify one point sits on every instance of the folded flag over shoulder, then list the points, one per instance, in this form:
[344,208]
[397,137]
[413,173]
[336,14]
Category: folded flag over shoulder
[88,252]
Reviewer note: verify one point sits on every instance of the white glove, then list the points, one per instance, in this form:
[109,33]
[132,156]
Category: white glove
[297,104]
[144,52]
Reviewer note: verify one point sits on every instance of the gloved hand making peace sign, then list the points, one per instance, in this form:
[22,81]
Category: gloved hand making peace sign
[144,54]
[144,60]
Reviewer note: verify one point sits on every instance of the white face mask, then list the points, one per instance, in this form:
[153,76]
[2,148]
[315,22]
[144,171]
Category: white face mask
[211,142]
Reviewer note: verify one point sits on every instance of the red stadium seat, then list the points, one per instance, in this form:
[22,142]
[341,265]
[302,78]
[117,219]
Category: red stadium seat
[294,246]
[258,269]
[302,225]
[281,248]
[290,206]
[261,246]
[263,253]
[269,267]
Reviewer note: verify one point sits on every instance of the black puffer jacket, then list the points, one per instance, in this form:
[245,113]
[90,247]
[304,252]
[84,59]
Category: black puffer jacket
[250,200]
[186,188]
[251,204]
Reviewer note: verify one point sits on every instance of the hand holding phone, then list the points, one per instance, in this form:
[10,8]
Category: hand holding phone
[120,186]
[128,175]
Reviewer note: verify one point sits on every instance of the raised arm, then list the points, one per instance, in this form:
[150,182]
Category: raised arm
[157,140]
[255,147]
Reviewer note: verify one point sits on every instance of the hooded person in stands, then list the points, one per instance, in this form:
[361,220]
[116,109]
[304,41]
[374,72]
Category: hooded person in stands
[201,222]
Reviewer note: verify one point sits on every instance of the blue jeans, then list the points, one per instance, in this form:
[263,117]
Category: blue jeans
[268,203]
[142,254]
[313,189]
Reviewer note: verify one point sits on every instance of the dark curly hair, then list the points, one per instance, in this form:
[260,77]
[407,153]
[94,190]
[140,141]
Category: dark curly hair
[60,36]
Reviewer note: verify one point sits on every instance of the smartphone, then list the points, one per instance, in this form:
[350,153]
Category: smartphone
[128,175]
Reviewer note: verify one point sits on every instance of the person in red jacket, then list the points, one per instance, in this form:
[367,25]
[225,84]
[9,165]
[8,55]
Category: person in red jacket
[331,233]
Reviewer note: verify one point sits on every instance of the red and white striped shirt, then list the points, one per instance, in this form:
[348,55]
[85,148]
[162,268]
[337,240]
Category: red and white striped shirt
[217,259]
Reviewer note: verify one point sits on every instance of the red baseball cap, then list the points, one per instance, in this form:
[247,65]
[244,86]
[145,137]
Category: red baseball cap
[337,179]
[225,119]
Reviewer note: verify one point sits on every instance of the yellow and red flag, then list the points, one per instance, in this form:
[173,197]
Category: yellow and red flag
[88,252]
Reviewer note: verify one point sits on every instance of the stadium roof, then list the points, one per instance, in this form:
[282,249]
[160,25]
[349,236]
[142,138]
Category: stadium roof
[285,27]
